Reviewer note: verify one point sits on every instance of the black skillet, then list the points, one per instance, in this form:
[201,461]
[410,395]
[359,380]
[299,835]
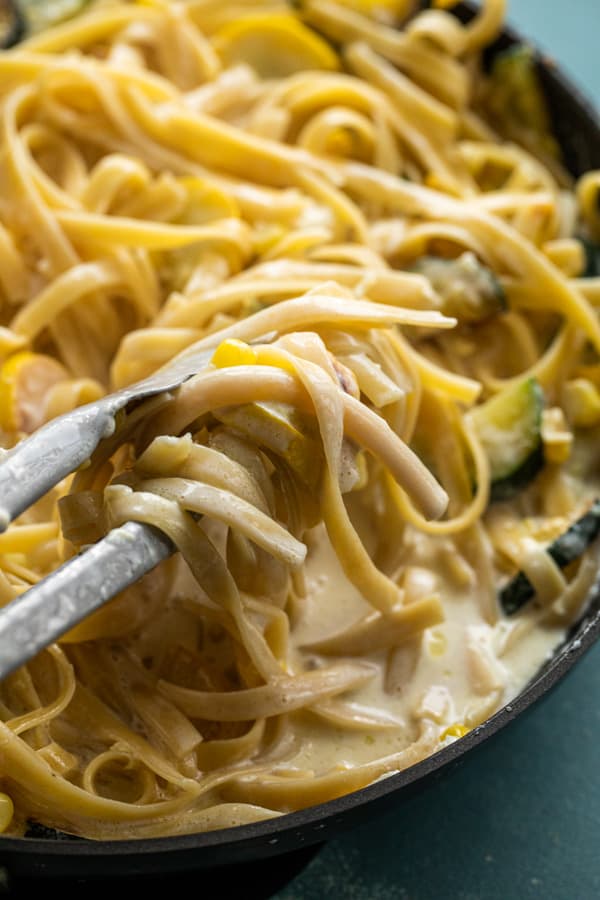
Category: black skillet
[233,856]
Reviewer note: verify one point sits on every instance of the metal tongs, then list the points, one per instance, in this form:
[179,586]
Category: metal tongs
[62,599]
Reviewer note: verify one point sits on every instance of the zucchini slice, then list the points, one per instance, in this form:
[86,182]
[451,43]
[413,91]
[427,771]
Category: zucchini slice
[568,547]
[592,257]
[20,18]
[280,429]
[12,24]
[468,290]
[509,426]
[516,101]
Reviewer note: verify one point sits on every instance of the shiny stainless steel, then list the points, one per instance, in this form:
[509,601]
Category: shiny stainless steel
[54,451]
[58,602]
[86,582]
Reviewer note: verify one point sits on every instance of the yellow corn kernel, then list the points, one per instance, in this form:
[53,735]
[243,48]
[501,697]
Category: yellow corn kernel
[556,436]
[233,353]
[7,810]
[581,399]
[457,730]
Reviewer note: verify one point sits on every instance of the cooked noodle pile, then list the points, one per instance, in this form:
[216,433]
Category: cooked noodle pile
[348,213]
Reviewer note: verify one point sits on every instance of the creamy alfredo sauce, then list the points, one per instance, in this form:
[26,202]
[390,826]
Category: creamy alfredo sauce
[452,674]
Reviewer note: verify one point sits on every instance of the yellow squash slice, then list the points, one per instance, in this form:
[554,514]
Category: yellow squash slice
[25,381]
[275,46]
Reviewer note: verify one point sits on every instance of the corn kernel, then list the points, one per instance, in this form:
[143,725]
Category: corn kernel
[457,730]
[233,353]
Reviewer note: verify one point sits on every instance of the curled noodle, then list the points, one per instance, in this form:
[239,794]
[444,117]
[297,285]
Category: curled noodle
[169,186]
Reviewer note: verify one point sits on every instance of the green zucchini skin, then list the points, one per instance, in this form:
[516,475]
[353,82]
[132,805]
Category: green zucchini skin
[568,547]
[509,426]
[508,487]
[592,257]
[468,290]
[25,17]
[516,101]
[12,24]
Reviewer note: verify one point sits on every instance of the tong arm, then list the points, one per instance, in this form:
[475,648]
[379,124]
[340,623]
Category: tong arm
[47,456]
[81,585]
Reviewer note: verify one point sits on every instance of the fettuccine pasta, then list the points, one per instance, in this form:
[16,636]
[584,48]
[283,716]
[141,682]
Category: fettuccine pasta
[381,484]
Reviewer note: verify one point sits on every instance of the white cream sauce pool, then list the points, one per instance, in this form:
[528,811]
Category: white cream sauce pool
[452,676]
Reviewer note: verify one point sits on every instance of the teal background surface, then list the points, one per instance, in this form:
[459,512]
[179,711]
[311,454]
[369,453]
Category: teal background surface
[520,820]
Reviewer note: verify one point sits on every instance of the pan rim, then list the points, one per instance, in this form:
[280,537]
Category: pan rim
[571,652]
